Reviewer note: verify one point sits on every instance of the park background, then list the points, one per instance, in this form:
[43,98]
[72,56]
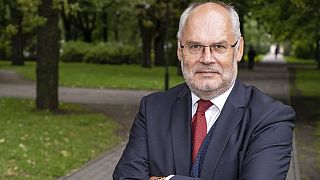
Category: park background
[127,45]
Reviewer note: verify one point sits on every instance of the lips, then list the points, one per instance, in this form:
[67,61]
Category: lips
[206,72]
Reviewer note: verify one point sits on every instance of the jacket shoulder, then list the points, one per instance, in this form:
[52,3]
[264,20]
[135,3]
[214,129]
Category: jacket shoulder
[261,105]
[168,96]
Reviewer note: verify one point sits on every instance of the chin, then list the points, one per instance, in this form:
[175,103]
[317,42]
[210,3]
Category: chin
[209,83]
[207,87]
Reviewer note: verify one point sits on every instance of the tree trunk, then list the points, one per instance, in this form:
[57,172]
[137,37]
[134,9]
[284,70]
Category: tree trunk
[116,28]
[17,49]
[105,25]
[318,52]
[161,19]
[47,58]
[159,47]
[17,39]
[68,34]
[87,35]
[146,34]
[86,22]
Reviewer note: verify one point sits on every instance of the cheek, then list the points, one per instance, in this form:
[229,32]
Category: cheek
[227,63]
[188,61]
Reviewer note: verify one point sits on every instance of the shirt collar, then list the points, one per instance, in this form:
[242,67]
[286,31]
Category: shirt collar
[218,101]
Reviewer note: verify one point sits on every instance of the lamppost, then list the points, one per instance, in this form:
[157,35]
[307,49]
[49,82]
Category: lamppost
[250,28]
[166,71]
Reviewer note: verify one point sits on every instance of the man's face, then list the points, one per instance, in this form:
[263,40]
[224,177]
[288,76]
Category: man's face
[209,73]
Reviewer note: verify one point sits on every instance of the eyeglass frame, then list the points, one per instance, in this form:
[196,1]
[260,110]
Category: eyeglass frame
[210,46]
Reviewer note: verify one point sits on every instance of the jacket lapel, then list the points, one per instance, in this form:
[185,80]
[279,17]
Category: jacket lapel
[181,132]
[225,125]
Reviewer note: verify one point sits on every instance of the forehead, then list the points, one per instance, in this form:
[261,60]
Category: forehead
[208,23]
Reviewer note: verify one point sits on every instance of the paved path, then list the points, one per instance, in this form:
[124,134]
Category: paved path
[271,76]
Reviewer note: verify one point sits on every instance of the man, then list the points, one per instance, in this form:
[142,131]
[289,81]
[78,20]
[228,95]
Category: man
[213,127]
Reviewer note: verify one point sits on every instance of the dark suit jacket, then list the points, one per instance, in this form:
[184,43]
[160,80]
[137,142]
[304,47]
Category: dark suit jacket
[251,141]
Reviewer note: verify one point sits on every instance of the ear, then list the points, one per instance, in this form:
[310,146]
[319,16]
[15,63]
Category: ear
[179,51]
[239,51]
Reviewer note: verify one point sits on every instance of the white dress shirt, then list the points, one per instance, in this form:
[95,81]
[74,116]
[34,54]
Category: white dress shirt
[212,113]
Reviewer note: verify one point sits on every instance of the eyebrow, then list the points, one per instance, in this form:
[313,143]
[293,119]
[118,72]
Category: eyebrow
[193,42]
[196,42]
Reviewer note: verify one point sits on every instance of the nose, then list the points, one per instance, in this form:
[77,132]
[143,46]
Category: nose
[207,57]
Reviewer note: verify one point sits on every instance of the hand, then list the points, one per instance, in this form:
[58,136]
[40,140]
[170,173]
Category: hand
[156,178]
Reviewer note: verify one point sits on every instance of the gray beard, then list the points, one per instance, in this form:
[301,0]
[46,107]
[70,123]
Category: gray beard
[206,93]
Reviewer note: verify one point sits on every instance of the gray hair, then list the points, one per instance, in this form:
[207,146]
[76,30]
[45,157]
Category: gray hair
[233,15]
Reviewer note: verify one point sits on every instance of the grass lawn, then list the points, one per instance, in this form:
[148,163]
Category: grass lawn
[294,60]
[306,103]
[308,82]
[307,78]
[40,145]
[105,76]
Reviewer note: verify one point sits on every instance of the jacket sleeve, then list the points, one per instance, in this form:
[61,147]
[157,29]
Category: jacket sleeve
[268,152]
[134,163]
[178,177]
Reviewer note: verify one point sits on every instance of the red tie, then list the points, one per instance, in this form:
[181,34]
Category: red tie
[199,126]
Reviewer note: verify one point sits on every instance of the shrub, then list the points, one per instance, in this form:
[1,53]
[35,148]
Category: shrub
[303,50]
[5,49]
[101,53]
[74,51]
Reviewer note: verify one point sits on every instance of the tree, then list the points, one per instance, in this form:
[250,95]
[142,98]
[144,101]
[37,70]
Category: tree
[146,31]
[17,39]
[67,11]
[87,16]
[18,22]
[105,24]
[161,18]
[47,58]
[292,20]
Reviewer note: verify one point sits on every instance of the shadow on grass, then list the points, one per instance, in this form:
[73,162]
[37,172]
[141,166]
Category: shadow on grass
[307,133]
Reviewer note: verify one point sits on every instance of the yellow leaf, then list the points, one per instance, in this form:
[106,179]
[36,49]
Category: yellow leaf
[64,153]
[22,146]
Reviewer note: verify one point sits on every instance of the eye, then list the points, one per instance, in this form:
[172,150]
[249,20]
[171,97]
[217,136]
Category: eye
[195,46]
[219,46]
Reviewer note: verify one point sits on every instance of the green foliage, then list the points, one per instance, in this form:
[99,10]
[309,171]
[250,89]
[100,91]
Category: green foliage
[41,145]
[101,53]
[302,49]
[4,49]
[255,35]
[31,19]
[74,51]
[294,19]
[112,53]
[24,11]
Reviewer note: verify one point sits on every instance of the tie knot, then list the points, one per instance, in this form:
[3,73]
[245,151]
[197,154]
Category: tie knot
[203,105]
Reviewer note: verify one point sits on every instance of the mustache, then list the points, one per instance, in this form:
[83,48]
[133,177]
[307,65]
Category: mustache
[206,68]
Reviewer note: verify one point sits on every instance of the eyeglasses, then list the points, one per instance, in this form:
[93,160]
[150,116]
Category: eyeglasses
[220,48]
